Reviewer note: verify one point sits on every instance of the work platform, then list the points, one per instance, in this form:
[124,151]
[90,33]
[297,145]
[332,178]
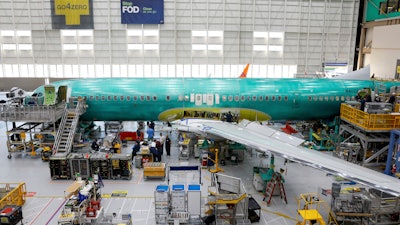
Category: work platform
[372,131]
[37,125]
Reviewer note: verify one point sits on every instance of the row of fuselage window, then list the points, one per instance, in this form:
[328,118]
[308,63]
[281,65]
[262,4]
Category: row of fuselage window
[224,98]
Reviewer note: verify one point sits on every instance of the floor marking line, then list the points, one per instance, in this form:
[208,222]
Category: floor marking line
[41,211]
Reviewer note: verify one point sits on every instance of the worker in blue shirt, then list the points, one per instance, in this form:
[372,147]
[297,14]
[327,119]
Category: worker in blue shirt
[150,133]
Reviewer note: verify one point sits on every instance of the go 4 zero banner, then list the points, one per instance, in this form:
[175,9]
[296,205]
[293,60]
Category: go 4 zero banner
[72,14]
[142,11]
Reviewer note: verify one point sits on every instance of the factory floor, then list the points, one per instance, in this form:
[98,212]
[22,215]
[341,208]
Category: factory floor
[45,197]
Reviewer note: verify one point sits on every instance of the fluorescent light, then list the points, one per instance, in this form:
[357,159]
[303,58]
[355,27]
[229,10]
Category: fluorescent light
[134,46]
[24,33]
[134,32]
[215,47]
[25,47]
[69,47]
[150,46]
[260,34]
[275,48]
[85,33]
[199,33]
[215,33]
[275,34]
[150,33]
[68,32]
[199,47]
[8,33]
[86,47]
[9,46]
[260,48]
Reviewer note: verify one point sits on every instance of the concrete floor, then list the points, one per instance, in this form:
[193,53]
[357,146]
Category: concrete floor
[45,204]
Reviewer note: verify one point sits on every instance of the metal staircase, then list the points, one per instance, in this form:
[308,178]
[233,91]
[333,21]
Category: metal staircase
[66,131]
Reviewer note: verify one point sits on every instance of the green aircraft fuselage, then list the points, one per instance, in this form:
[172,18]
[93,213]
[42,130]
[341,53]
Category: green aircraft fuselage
[169,99]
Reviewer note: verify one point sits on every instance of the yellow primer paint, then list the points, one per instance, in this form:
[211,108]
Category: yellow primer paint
[212,113]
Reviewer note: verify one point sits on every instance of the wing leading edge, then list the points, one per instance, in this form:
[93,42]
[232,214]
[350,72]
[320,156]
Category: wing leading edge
[259,137]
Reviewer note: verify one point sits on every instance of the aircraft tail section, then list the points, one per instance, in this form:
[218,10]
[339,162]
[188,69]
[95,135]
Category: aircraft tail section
[244,73]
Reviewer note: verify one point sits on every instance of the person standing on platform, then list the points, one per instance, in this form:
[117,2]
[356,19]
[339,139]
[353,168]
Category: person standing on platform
[168,145]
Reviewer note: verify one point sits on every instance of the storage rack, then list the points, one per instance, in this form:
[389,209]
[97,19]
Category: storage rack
[121,167]
[79,163]
[59,166]
[100,164]
[161,200]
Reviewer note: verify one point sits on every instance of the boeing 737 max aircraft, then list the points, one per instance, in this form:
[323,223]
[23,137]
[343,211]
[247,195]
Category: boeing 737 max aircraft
[170,99]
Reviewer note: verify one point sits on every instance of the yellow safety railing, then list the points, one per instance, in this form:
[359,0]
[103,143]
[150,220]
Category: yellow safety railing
[371,122]
[13,195]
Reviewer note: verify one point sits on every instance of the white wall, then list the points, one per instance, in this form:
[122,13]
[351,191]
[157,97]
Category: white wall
[385,51]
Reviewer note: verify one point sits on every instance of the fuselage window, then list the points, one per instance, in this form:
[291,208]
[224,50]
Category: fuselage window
[224,98]
[249,98]
[332,98]
[109,98]
[315,98]
[254,98]
[337,98]
[135,98]
[167,98]
[236,98]
[342,98]
[243,98]
[121,98]
[154,98]
[286,98]
[273,98]
[326,98]
[115,98]
[266,98]
[148,98]
[91,98]
[230,98]
[142,98]
[180,98]
[187,98]
[85,97]
[321,98]
[348,98]
[128,98]
[279,98]
[309,98]
[103,98]
[97,97]
[260,98]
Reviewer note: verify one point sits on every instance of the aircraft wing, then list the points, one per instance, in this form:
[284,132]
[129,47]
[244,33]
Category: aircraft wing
[266,139]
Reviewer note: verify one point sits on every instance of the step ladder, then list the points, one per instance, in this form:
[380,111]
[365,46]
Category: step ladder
[276,180]
[66,131]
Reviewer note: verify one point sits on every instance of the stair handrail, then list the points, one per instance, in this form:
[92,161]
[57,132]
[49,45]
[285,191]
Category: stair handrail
[77,110]
[60,130]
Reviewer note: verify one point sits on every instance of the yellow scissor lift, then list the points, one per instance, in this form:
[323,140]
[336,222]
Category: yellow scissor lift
[309,208]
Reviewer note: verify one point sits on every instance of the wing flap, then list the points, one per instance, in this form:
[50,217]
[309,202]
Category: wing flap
[265,140]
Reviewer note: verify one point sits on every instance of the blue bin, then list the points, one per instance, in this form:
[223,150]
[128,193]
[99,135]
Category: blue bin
[194,187]
[162,188]
[178,187]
